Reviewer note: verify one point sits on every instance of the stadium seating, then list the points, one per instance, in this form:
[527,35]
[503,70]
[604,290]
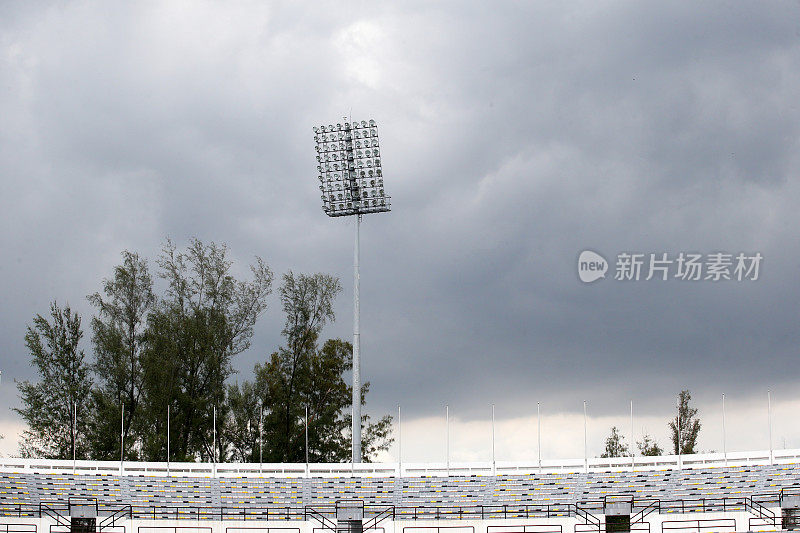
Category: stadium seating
[29,489]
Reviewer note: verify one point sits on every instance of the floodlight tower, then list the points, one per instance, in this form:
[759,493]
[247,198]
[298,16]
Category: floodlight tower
[351,181]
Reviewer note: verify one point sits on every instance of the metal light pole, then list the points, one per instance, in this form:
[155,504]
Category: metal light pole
[351,182]
[167,440]
[352,459]
[214,444]
[357,346]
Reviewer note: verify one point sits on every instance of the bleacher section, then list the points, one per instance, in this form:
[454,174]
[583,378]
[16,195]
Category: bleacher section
[29,489]
[260,492]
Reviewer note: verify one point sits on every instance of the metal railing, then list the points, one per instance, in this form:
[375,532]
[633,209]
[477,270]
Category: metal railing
[17,528]
[527,528]
[591,520]
[373,522]
[110,521]
[52,511]
[109,514]
[762,512]
[700,526]
[653,506]
[788,492]
[320,517]
[327,470]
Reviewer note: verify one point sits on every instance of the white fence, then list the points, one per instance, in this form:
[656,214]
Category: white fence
[395,469]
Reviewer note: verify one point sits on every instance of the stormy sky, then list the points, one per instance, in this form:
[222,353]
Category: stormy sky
[514,136]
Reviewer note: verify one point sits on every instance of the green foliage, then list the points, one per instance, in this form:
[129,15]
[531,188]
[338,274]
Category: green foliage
[204,320]
[302,375]
[175,353]
[118,337]
[240,433]
[375,438]
[284,382]
[649,447]
[685,427]
[62,391]
[615,445]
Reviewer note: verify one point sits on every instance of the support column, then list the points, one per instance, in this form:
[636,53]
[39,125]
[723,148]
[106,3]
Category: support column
[356,348]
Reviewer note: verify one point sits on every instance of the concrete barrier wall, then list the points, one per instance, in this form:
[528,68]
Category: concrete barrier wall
[289,470]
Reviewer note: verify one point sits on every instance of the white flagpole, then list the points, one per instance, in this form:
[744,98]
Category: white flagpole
[122,440]
[633,453]
[539,423]
[494,464]
[724,443]
[447,441]
[680,455]
[352,456]
[399,446]
[769,419]
[261,440]
[585,440]
[307,469]
[74,433]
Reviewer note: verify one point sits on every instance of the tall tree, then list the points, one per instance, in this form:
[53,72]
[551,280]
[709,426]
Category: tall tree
[50,406]
[649,447]
[307,302]
[685,427]
[302,375]
[118,336]
[377,437]
[329,398]
[240,433]
[615,445]
[204,320]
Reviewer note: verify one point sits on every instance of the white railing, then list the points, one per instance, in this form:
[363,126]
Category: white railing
[131,468]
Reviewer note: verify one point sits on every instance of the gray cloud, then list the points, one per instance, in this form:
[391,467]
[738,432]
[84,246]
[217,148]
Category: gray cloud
[514,136]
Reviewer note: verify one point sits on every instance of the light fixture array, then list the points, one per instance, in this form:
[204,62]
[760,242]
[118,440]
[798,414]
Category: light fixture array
[349,169]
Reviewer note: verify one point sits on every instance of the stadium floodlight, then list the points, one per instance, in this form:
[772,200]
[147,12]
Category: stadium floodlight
[351,182]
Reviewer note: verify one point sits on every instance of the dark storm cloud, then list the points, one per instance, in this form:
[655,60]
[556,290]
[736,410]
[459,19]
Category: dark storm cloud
[514,136]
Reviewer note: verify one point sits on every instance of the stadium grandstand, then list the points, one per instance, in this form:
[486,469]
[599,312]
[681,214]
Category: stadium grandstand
[758,491]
